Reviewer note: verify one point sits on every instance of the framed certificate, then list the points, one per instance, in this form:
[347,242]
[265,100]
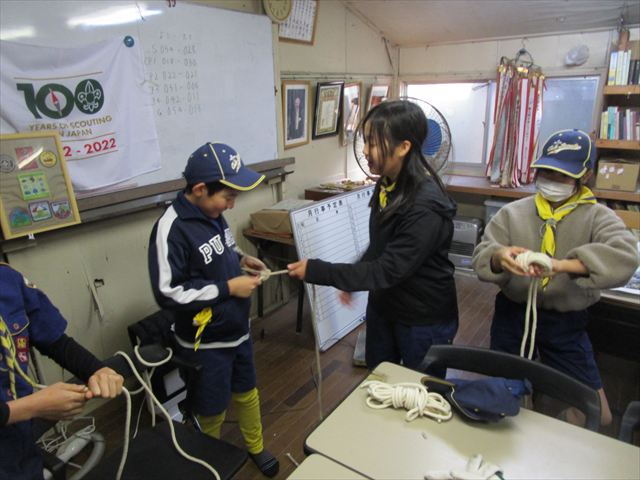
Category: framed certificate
[300,27]
[35,189]
[327,113]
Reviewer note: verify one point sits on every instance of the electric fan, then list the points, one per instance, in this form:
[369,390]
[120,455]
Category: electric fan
[436,146]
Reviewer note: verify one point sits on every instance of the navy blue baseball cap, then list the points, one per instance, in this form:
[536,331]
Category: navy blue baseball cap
[570,152]
[484,400]
[217,162]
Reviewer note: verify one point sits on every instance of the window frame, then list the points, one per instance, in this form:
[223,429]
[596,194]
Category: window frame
[478,169]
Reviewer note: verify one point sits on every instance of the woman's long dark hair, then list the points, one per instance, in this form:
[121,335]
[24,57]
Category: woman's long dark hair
[389,124]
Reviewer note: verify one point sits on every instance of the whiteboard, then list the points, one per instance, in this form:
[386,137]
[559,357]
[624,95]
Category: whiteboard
[334,230]
[210,70]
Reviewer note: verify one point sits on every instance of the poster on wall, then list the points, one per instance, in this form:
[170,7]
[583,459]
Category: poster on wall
[94,96]
[35,189]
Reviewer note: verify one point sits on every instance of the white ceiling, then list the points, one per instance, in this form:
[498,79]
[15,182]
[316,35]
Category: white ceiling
[421,22]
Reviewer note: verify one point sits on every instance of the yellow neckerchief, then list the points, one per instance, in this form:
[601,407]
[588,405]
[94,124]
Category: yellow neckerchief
[9,353]
[201,320]
[384,190]
[552,217]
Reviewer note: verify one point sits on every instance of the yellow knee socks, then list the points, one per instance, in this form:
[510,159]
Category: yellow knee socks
[212,425]
[248,408]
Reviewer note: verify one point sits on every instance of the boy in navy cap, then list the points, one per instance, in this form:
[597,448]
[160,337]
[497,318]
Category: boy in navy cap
[589,247]
[195,267]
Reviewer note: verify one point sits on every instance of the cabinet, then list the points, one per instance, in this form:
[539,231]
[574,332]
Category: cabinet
[623,97]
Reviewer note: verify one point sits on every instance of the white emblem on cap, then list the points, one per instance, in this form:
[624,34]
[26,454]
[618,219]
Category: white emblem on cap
[559,146]
[235,162]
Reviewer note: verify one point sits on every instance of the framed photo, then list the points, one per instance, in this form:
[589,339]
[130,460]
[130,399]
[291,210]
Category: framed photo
[327,113]
[351,100]
[35,188]
[300,27]
[378,94]
[295,111]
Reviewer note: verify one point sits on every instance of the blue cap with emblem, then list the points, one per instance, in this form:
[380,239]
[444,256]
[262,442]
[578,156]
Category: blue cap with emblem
[217,162]
[484,400]
[570,152]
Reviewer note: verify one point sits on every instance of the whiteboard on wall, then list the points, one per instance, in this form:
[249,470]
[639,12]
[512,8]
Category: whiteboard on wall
[210,70]
[334,230]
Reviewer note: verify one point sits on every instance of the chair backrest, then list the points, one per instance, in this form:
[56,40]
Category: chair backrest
[630,422]
[543,378]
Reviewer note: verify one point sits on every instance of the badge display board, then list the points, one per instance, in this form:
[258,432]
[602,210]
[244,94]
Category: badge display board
[35,188]
[334,230]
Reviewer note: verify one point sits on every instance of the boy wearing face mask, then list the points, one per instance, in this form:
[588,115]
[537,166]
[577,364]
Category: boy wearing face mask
[590,250]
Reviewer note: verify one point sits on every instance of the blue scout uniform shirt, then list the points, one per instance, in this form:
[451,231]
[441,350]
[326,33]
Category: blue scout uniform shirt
[31,320]
[191,258]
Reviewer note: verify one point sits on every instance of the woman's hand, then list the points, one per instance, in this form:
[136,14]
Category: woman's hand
[243,285]
[298,269]
[345,298]
[104,383]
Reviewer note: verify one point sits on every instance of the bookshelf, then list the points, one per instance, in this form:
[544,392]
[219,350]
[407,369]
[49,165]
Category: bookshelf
[619,137]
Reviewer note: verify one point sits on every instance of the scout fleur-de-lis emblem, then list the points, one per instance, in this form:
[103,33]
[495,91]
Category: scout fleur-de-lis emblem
[235,162]
[90,97]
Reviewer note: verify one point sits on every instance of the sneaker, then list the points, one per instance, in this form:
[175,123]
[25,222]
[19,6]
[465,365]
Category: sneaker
[266,462]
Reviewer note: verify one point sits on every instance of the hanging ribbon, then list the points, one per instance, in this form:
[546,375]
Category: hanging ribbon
[201,320]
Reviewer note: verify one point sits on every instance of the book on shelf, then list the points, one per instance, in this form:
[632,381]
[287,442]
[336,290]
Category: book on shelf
[618,123]
[624,65]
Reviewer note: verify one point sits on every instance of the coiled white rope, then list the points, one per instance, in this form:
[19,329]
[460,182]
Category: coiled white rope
[125,448]
[524,260]
[413,397]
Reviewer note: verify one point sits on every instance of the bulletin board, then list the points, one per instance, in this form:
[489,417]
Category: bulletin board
[35,189]
[209,71]
[334,230]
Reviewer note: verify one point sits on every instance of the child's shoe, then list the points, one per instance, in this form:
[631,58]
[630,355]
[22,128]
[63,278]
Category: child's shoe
[266,462]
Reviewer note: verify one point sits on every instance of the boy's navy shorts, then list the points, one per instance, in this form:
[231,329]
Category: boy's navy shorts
[561,339]
[224,370]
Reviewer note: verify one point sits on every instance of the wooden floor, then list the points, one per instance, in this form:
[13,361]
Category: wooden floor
[286,367]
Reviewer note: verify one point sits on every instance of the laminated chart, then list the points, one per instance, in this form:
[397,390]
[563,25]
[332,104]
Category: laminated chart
[335,230]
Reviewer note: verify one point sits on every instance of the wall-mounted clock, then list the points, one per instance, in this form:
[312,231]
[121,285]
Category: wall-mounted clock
[278,10]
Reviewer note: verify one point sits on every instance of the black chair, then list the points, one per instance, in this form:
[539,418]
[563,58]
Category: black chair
[630,422]
[543,378]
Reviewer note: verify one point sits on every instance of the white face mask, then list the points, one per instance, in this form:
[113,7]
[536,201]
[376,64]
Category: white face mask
[554,191]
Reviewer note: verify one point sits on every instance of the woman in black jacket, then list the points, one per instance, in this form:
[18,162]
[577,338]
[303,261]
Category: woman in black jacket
[406,269]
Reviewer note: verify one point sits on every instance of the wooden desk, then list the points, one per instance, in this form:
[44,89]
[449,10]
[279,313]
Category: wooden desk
[262,241]
[317,467]
[381,444]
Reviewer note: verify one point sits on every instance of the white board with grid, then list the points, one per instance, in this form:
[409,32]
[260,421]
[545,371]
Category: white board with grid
[334,230]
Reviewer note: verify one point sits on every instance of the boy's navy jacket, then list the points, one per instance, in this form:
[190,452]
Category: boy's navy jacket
[406,268]
[191,258]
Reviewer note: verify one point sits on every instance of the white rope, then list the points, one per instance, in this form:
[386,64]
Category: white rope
[162,410]
[413,397]
[524,260]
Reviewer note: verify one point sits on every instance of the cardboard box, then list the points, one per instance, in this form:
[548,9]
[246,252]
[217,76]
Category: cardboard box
[271,221]
[275,219]
[617,175]
[630,219]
